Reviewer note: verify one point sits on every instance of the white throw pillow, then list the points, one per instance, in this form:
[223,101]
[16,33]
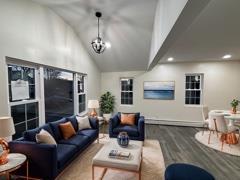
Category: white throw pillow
[45,137]
[83,123]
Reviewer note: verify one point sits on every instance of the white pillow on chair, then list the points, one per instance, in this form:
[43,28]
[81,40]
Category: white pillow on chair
[83,122]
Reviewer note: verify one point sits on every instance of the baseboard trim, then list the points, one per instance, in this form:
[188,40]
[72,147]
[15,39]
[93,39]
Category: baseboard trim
[174,122]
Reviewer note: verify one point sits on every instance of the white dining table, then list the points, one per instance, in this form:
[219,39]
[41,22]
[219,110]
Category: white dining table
[227,115]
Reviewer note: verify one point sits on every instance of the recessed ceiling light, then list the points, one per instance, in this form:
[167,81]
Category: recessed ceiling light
[227,56]
[170,59]
[108,45]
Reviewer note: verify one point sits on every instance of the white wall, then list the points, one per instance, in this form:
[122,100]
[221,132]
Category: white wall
[221,85]
[34,33]
[166,15]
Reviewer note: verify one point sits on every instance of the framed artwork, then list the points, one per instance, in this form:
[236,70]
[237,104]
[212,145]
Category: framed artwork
[161,90]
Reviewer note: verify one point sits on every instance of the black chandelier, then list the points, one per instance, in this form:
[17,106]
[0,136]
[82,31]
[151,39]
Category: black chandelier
[97,44]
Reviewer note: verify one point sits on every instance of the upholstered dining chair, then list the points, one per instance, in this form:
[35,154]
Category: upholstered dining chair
[205,112]
[237,125]
[221,127]
[212,126]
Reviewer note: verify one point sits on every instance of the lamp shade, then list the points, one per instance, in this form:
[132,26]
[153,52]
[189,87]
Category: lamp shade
[6,127]
[93,104]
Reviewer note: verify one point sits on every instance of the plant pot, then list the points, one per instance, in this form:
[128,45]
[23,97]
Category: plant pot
[234,110]
[107,117]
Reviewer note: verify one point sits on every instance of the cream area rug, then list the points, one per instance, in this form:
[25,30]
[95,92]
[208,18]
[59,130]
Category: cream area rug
[153,166]
[216,144]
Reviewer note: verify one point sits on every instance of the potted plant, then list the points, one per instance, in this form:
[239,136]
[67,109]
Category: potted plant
[234,105]
[107,102]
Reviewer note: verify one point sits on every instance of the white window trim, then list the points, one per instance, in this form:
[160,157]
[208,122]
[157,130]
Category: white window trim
[120,84]
[39,88]
[201,90]
[77,95]
[24,102]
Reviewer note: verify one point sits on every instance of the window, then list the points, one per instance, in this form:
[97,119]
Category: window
[81,93]
[126,91]
[24,105]
[58,93]
[193,89]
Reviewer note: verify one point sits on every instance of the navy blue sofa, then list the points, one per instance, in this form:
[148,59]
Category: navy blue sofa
[135,132]
[47,161]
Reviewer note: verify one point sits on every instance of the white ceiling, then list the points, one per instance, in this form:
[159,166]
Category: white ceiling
[215,32]
[126,24]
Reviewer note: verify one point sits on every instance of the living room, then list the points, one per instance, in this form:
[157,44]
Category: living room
[171,66]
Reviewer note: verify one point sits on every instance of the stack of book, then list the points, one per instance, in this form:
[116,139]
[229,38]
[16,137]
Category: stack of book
[116,154]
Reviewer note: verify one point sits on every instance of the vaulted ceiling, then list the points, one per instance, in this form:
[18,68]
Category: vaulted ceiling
[126,24]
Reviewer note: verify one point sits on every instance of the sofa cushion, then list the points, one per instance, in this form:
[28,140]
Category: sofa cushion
[64,153]
[74,122]
[131,130]
[55,128]
[30,135]
[137,116]
[92,133]
[78,140]
[67,130]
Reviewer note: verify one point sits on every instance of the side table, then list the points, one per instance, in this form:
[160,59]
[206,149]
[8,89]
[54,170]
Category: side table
[102,122]
[15,161]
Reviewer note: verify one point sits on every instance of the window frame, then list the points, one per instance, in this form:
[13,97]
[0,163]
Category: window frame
[25,102]
[129,78]
[77,94]
[200,89]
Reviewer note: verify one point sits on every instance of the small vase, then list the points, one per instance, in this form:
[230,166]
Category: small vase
[234,110]
[123,139]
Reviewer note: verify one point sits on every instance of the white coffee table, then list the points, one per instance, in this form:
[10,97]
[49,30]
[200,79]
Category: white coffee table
[102,160]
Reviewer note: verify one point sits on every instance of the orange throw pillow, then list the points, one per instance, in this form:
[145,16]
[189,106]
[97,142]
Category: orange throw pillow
[128,119]
[67,130]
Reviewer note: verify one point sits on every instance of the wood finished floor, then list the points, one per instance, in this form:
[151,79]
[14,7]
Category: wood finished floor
[179,146]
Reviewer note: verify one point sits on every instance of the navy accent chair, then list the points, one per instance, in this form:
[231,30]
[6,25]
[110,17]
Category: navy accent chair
[135,132]
[180,171]
[48,161]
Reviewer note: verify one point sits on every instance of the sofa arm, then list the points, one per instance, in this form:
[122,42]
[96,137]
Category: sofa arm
[42,158]
[113,123]
[141,127]
[94,122]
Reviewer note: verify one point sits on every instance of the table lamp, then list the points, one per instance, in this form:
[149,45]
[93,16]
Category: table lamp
[93,104]
[6,129]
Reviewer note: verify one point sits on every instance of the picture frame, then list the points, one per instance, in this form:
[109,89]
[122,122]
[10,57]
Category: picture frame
[159,90]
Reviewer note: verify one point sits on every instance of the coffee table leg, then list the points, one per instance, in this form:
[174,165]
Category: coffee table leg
[92,172]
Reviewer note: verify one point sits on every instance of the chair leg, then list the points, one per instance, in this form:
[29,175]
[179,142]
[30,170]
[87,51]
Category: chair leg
[209,136]
[222,145]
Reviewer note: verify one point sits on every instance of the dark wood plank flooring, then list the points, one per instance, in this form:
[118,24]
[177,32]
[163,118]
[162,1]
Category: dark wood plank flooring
[179,145]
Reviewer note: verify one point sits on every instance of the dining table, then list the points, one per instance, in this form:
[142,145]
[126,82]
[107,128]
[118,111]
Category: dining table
[228,115]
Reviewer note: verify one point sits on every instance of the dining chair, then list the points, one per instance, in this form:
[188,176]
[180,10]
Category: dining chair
[221,127]
[205,117]
[237,125]
[212,126]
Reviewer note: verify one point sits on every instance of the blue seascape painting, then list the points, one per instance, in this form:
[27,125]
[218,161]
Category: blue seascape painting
[159,90]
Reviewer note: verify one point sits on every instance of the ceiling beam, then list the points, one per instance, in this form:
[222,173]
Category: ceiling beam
[189,13]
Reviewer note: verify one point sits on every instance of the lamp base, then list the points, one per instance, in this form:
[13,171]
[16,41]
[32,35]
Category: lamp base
[4,154]
[93,113]
[3,158]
